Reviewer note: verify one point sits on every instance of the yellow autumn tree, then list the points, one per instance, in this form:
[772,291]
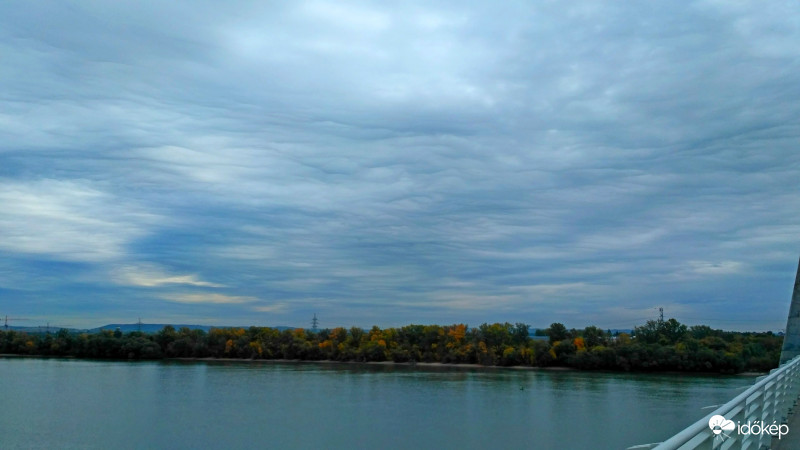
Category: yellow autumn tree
[552,350]
[228,346]
[580,345]
[256,348]
[457,333]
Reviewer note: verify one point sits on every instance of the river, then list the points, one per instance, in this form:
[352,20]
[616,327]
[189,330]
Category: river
[67,403]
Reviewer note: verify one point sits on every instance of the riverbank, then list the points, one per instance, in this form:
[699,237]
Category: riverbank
[422,365]
[498,345]
[371,363]
[438,365]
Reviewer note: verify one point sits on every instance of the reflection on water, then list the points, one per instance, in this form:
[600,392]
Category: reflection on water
[51,403]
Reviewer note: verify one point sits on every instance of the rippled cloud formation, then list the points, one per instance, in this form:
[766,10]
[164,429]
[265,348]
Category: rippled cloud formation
[403,162]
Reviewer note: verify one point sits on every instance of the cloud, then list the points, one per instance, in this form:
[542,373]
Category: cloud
[274,308]
[208,298]
[716,268]
[400,162]
[69,220]
[153,276]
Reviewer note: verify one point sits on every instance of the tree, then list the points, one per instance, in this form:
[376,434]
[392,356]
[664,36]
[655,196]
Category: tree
[672,331]
[701,331]
[563,350]
[593,336]
[658,346]
[648,333]
[166,336]
[520,334]
[557,332]
[668,332]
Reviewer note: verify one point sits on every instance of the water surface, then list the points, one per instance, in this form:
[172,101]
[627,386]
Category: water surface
[53,403]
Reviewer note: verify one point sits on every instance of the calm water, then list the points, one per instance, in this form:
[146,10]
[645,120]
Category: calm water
[50,403]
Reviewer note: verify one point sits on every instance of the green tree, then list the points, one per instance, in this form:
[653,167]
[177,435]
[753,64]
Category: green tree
[672,331]
[593,336]
[557,332]
[647,333]
[520,333]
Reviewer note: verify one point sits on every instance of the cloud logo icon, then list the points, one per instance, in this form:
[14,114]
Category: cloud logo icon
[718,424]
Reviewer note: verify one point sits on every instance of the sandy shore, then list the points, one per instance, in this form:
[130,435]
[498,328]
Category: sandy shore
[372,363]
[435,365]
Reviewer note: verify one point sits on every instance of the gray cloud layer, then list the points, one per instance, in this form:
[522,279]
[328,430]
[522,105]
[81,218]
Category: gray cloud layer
[389,164]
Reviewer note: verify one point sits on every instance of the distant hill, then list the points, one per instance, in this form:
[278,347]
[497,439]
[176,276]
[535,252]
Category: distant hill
[41,329]
[156,327]
[146,327]
[127,328]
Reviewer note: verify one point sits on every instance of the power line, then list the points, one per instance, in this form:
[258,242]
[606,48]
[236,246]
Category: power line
[12,318]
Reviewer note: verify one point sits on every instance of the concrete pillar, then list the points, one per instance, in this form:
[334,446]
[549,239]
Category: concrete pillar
[791,340]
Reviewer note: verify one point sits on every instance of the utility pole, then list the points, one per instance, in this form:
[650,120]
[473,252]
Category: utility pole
[139,324]
[314,323]
[660,315]
[12,318]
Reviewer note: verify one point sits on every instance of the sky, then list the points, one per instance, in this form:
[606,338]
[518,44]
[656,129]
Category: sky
[388,163]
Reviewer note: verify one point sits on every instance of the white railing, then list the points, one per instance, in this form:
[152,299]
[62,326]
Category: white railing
[768,401]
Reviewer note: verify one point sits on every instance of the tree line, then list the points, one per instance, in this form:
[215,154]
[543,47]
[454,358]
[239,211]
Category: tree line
[654,346]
